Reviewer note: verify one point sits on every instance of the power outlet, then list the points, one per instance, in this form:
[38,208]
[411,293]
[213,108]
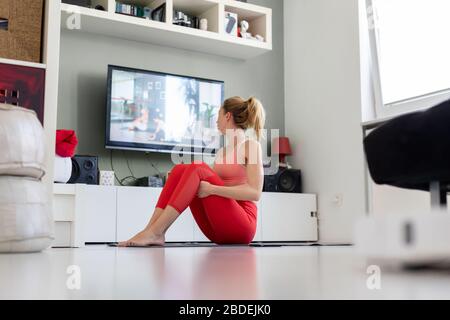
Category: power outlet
[338,199]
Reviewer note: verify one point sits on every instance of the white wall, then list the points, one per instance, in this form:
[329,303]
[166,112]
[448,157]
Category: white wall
[82,85]
[323,108]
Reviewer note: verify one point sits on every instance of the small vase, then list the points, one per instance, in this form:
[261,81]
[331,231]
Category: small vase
[204,24]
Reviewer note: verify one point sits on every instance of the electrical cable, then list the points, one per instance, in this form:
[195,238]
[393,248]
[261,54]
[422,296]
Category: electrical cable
[159,172]
[112,167]
[154,167]
[124,179]
[128,165]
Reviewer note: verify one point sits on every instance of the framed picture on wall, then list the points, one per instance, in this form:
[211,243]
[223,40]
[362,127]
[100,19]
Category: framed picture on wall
[23,87]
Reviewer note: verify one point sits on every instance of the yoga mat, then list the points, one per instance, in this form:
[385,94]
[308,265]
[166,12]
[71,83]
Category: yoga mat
[213,245]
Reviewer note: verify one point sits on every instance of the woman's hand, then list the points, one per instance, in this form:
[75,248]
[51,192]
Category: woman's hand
[205,189]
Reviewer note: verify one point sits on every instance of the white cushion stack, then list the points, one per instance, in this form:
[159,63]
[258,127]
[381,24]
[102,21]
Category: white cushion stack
[26,221]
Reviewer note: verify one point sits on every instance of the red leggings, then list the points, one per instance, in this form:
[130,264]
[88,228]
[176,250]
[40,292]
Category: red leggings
[222,220]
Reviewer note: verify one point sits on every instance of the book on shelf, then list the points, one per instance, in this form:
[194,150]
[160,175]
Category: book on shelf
[133,10]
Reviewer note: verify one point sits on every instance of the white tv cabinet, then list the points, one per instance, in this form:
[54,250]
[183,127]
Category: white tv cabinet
[100,214]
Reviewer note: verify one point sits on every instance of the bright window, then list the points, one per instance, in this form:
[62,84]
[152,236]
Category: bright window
[413,47]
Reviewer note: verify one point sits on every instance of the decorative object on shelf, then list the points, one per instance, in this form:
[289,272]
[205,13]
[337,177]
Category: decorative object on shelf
[159,14]
[204,24]
[247,35]
[259,38]
[243,32]
[107,178]
[231,23]
[23,86]
[99,7]
[132,10]
[22,38]
[81,3]
[244,26]
[26,218]
[182,19]
[148,13]
[282,147]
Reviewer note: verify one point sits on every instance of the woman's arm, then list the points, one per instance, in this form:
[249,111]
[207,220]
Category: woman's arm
[241,192]
[251,191]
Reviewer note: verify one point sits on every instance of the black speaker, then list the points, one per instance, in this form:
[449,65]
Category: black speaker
[285,180]
[84,170]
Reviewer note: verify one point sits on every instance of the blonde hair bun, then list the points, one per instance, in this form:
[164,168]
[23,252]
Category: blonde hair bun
[247,114]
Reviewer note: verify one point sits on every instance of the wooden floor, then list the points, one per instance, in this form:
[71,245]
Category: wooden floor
[103,272]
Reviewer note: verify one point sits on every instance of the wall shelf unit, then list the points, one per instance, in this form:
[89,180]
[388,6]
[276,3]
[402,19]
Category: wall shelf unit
[23,63]
[211,41]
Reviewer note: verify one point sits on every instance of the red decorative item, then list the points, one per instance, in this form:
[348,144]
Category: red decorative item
[23,87]
[282,147]
[66,143]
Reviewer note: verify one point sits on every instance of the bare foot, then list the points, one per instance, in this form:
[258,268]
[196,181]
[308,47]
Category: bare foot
[144,238]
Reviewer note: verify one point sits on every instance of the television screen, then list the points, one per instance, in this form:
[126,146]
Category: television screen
[153,111]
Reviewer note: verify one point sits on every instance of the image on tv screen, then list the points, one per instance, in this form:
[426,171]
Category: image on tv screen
[159,109]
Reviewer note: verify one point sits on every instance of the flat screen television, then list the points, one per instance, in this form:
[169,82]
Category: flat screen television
[160,112]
